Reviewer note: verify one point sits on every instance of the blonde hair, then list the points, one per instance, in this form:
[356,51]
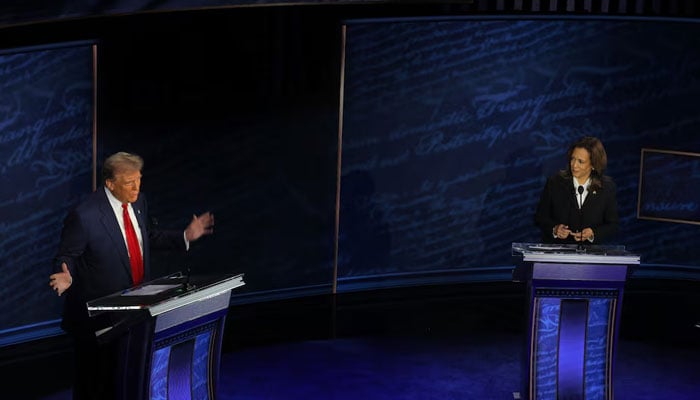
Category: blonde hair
[120,161]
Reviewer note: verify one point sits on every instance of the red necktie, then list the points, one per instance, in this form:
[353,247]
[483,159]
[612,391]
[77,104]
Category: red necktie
[132,242]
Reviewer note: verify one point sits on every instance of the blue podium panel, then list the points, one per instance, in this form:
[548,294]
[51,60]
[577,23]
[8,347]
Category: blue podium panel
[184,364]
[574,297]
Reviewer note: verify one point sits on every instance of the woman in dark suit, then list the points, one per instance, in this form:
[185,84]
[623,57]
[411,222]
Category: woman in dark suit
[560,215]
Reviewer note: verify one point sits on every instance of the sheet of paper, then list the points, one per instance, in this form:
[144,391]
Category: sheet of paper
[149,290]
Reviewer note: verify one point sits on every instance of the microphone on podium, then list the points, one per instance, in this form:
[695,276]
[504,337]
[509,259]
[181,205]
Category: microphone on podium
[580,215]
[188,285]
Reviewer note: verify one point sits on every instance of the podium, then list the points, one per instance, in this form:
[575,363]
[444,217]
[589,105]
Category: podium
[574,301]
[169,334]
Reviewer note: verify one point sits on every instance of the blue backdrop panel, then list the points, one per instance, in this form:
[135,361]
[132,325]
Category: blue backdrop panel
[46,139]
[670,186]
[451,127]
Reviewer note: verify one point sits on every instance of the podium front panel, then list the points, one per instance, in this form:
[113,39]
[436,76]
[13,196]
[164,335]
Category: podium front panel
[575,296]
[572,343]
[185,360]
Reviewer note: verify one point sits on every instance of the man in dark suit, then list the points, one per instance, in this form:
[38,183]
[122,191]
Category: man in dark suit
[579,205]
[104,248]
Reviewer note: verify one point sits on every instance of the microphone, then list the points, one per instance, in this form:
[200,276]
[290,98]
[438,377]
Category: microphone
[188,286]
[580,193]
[580,213]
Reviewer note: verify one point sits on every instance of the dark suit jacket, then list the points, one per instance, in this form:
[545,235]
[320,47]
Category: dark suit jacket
[93,247]
[558,205]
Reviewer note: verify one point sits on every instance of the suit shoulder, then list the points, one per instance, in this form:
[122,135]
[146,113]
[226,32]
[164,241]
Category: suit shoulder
[608,182]
[558,180]
[91,203]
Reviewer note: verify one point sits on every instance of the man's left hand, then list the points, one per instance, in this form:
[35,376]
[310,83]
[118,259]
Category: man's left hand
[61,281]
[200,226]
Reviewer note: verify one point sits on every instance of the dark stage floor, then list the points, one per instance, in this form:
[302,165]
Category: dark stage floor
[456,342]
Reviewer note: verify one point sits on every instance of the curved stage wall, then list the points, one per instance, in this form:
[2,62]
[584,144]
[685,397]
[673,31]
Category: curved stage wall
[449,129]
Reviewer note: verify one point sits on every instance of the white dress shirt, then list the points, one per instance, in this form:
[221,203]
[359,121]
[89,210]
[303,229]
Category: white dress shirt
[117,208]
[580,199]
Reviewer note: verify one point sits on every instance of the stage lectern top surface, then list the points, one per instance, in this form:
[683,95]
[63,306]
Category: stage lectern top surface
[166,293]
[572,253]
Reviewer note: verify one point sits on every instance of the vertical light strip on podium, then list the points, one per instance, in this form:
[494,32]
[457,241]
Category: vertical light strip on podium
[545,340]
[159,374]
[200,366]
[180,371]
[572,348]
[601,324]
